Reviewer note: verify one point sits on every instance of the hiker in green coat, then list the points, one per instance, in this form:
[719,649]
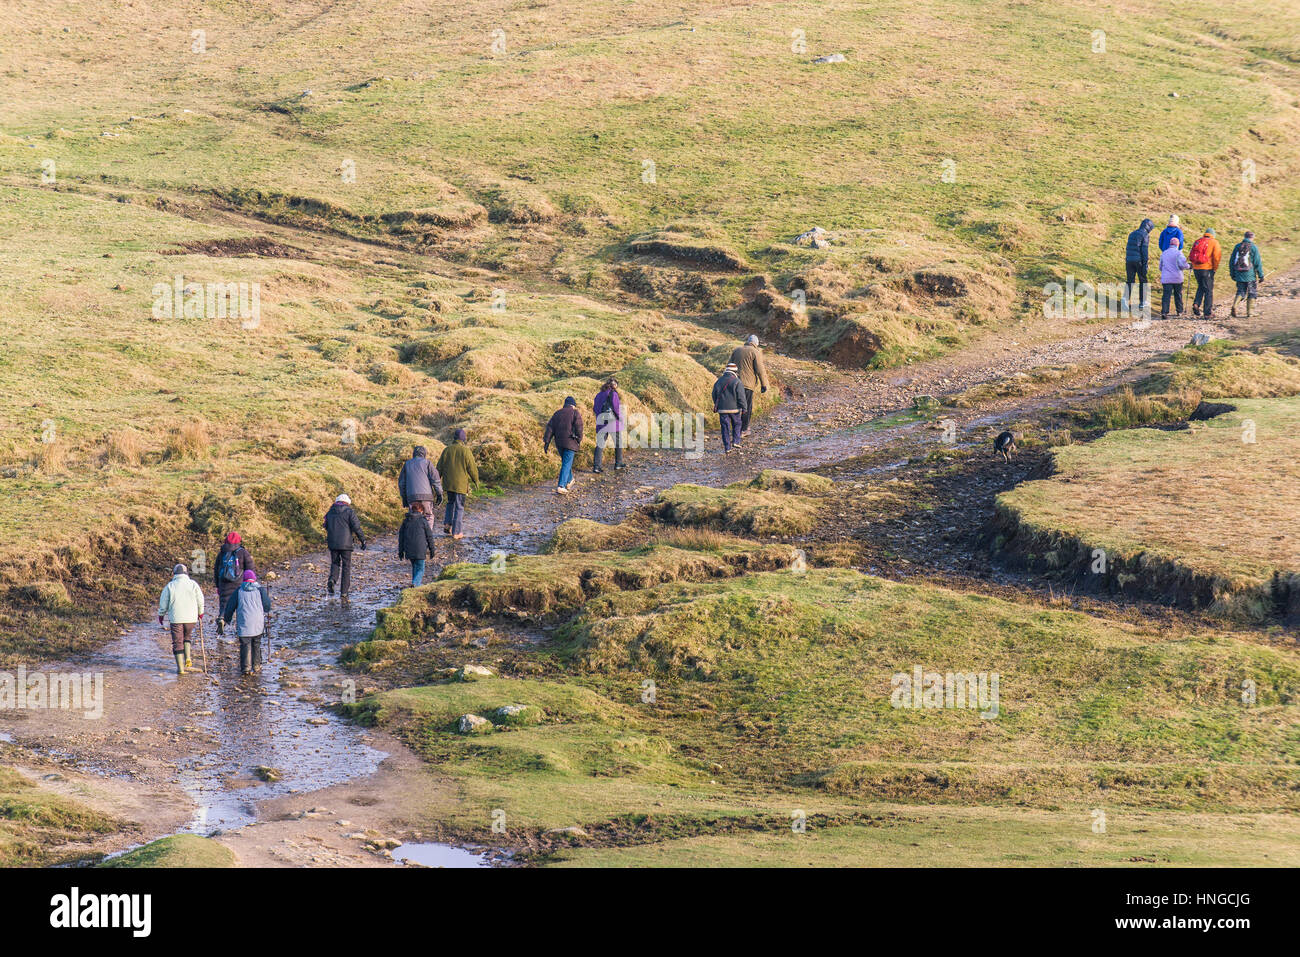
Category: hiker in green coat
[458,470]
[1247,271]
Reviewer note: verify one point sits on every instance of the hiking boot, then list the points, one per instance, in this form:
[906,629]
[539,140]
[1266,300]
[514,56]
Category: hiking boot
[446,529]
[620,465]
[561,490]
[597,471]
[257,654]
[329,588]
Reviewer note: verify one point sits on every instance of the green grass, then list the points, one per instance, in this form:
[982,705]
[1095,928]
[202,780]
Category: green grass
[179,850]
[772,692]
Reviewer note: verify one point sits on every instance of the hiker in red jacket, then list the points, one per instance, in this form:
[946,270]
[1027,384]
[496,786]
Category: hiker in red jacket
[1204,256]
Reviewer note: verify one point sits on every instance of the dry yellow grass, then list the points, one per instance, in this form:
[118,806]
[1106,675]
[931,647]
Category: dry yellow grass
[1205,515]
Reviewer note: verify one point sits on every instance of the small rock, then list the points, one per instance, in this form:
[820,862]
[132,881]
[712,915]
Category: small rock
[1200,339]
[473,673]
[830,58]
[572,831]
[473,724]
[268,774]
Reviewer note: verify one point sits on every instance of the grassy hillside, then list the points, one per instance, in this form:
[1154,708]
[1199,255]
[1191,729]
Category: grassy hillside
[448,233]
[772,693]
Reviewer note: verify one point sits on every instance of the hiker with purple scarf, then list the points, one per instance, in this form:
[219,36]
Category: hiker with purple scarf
[609,425]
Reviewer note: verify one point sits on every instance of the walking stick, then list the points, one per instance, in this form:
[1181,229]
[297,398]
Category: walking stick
[203,647]
[268,624]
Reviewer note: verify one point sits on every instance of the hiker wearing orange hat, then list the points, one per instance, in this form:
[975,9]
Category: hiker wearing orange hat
[228,570]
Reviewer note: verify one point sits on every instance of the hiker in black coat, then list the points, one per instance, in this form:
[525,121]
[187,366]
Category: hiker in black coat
[1136,253]
[415,542]
[342,528]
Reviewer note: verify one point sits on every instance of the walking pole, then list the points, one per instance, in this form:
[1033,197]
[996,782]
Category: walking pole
[268,625]
[203,647]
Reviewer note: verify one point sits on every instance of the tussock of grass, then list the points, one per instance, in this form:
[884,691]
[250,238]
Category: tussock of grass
[547,584]
[774,503]
[34,821]
[179,850]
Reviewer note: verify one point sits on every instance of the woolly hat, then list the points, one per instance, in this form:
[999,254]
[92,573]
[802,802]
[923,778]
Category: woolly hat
[250,575]
[233,538]
[460,435]
[178,570]
[344,499]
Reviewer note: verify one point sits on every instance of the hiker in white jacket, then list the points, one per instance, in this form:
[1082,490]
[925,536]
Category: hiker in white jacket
[181,604]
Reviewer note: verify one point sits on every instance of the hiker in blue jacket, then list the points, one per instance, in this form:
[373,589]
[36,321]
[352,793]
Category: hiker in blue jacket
[1172,231]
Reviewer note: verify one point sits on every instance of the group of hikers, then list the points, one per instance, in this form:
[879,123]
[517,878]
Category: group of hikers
[422,486]
[1244,265]
[241,600]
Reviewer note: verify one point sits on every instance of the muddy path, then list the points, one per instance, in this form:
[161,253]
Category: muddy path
[175,754]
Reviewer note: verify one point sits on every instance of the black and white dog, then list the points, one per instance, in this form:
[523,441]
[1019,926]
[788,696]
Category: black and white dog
[1004,445]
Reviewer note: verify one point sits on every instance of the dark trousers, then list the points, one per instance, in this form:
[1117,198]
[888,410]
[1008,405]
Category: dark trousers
[341,564]
[1204,291]
[250,653]
[454,513]
[1174,289]
[746,412]
[182,635]
[603,439]
[1135,272]
[731,428]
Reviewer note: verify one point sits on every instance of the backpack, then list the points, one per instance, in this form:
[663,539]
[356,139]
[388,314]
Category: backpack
[228,568]
[1241,258]
[1200,250]
[607,407]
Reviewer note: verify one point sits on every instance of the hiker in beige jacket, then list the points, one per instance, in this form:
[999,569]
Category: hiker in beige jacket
[753,375]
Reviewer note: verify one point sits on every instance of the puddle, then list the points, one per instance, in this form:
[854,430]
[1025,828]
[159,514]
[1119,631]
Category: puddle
[441,855]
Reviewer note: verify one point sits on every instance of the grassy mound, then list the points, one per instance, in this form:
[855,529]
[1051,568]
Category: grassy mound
[774,503]
[696,708]
[34,821]
[538,585]
[1208,517]
[179,850]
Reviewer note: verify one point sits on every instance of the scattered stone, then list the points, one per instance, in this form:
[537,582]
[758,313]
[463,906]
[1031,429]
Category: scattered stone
[268,774]
[571,831]
[473,673]
[318,721]
[1200,339]
[473,724]
[812,237]
[833,58]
